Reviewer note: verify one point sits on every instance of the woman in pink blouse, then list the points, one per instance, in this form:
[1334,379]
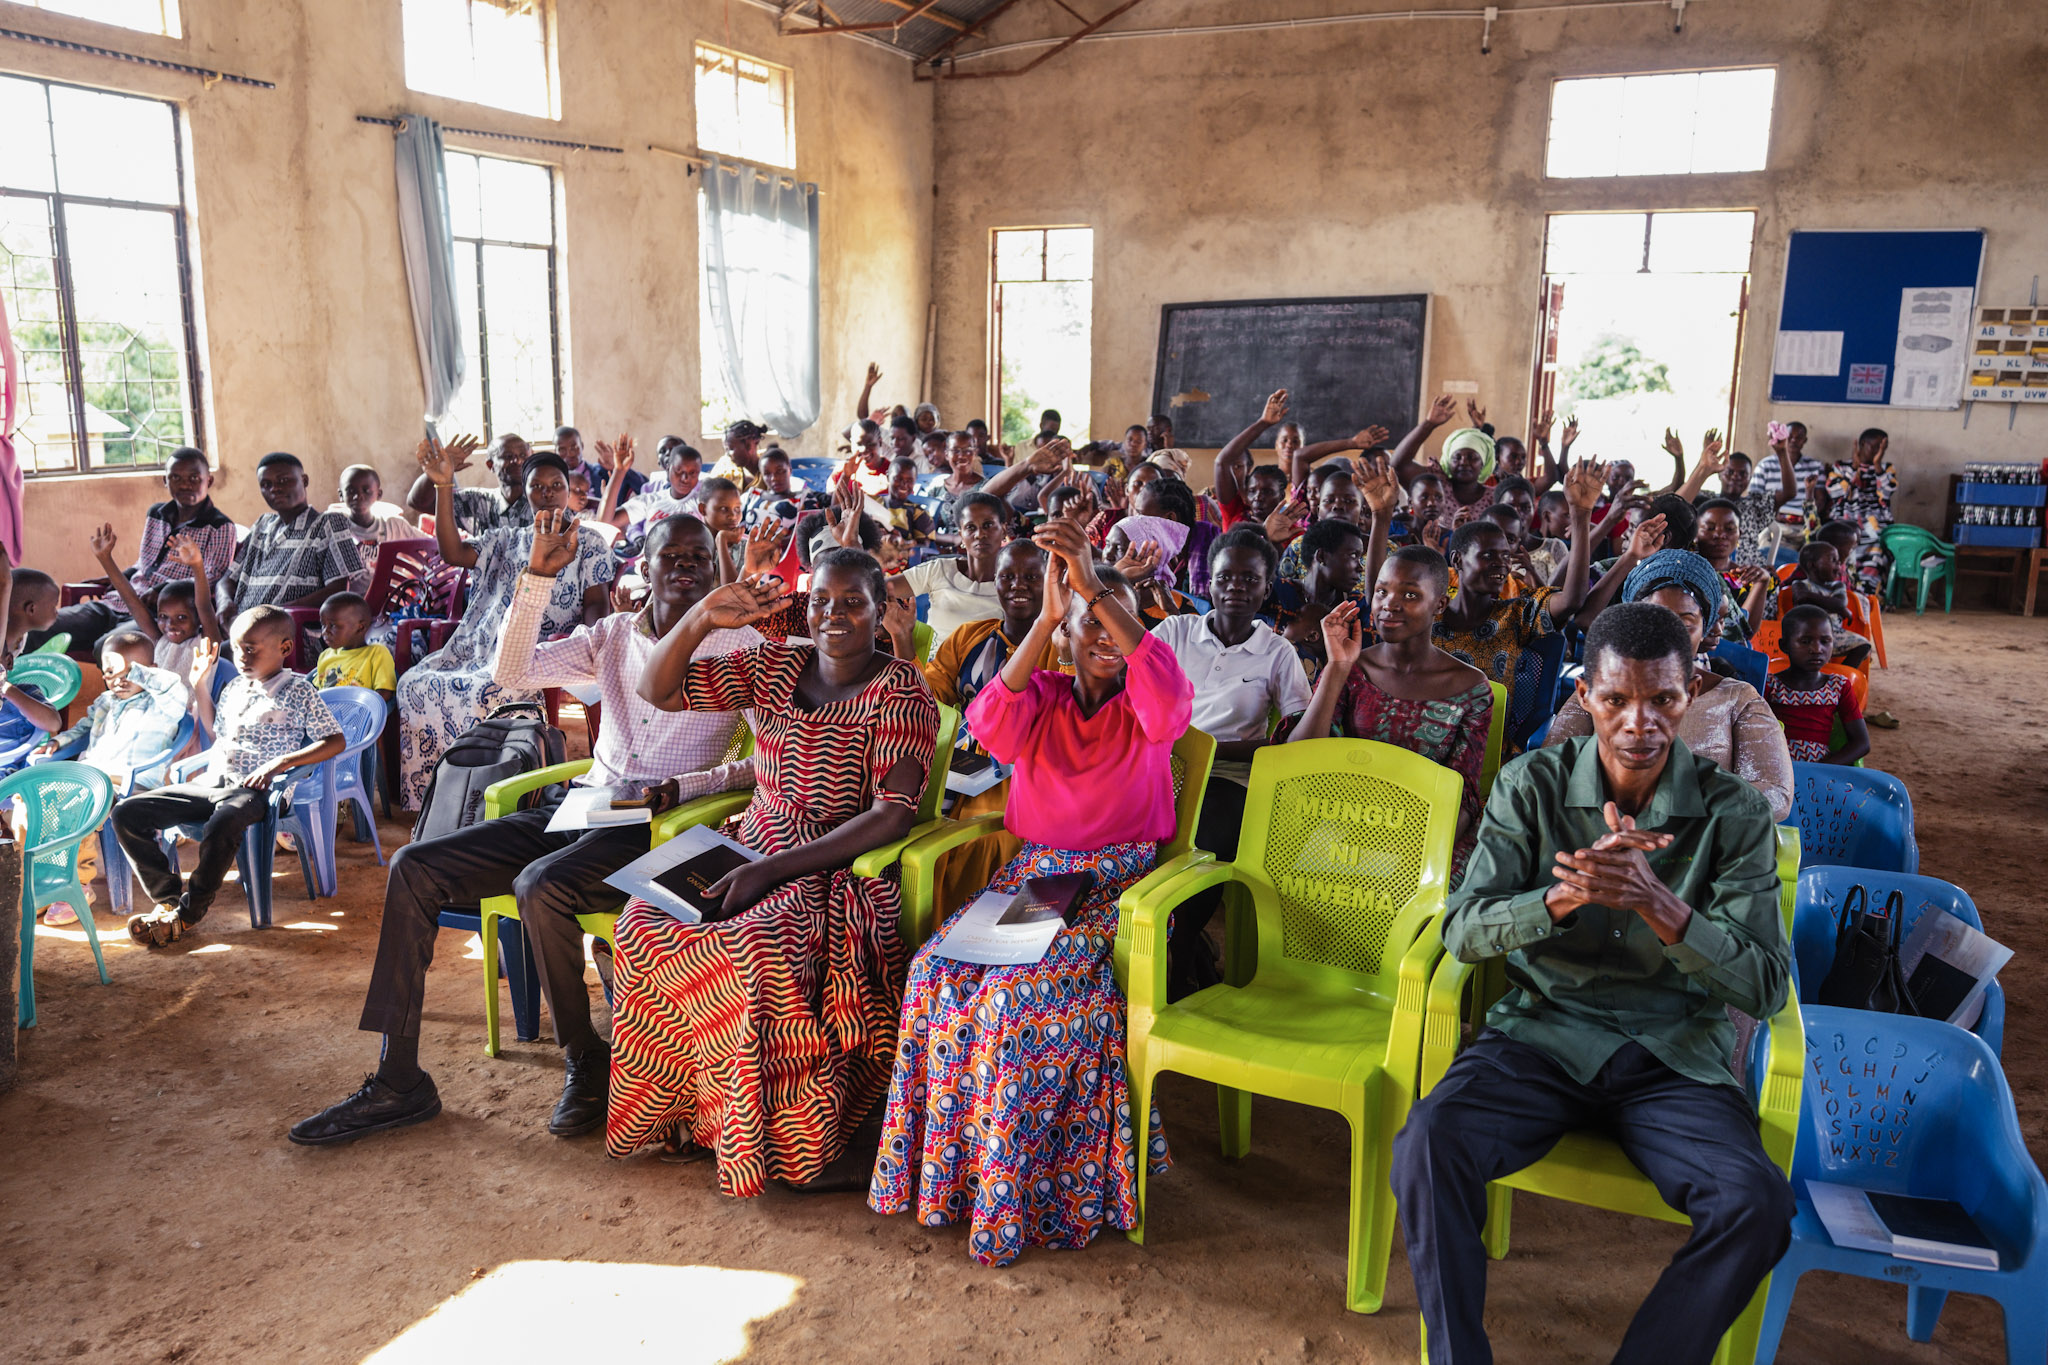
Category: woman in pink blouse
[1010,1101]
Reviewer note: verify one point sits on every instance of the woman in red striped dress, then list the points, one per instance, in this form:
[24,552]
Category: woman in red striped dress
[766,1033]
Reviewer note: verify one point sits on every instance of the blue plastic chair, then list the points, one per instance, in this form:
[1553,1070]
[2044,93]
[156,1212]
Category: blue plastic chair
[1853,817]
[1530,691]
[113,861]
[316,801]
[1917,1107]
[816,473]
[1751,665]
[52,678]
[255,861]
[1817,922]
[65,802]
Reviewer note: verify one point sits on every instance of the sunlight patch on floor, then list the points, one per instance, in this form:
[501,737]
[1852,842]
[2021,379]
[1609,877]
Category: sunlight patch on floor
[315,924]
[580,1310]
[73,935]
[212,948]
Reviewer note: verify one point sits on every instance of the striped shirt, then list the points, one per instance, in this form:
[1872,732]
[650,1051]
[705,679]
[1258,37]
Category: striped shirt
[638,742]
[283,561]
[213,532]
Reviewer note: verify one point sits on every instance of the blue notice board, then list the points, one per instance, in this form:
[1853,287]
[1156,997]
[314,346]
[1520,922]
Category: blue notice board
[1851,283]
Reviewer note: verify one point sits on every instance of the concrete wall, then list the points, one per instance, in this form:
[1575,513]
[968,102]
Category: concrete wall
[1391,157]
[308,342]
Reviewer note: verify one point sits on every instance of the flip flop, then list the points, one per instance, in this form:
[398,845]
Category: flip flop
[60,914]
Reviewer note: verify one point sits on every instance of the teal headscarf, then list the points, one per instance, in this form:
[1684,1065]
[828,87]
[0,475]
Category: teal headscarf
[1678,569]
[1469,438]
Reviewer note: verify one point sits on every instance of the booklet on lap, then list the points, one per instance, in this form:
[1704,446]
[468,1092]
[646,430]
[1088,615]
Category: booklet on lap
[1012,928]
[675,876]
[592,808]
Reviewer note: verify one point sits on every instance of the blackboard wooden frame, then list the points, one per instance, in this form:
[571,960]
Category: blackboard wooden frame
[1161,398]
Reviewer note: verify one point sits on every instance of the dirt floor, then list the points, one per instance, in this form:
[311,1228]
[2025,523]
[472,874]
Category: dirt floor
[151,1209]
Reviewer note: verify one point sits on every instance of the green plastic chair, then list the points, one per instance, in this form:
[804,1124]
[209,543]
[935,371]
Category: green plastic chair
[57,644]
[1496,733]
[1588,1168]
[55,676]
[1343,861]
[501,798]
[65,802]
[1909,547]
[1194,753]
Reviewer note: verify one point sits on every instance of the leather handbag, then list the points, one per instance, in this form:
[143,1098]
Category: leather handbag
[1866,973]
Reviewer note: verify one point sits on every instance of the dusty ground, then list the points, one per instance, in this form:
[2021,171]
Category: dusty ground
[150,1208]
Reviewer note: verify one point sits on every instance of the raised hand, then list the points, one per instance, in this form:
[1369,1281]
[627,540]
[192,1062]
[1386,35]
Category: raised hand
[1057,597]
[1539,430]
[1276,408]
[1140,562]
[874,374]
[442,463]
[1475,412]
[1583,484]
[103,541]
[1369,437]
[1343,637]
[1283,523]
[205,655]
[1569,435]
[1672,444]
[1647,538]
[1713,457]
[740,604]
[185,550]
[1377,484]
[1068,542]
[899,618]
[554,543]
[1441,410]
[1710,442]
[765,546]
[1050,456]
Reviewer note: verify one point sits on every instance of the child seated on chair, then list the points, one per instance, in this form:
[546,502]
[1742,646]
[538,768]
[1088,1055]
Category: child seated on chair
[31,598]
[348,660]
[132,722]
[1818,582]
[269,721]
[1808,701]
[182,613]
[908,522]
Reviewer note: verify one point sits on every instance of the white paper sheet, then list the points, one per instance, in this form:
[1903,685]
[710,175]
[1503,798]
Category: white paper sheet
[1961,947]
[637,878]
[976,937]
[1936,328]
[1847,1215]
[1812,353]
[591,808]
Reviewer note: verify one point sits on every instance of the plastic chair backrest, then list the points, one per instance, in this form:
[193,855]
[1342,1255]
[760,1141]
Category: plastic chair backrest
[1853,817]
[1193,753]
[1352,839]
[1765,640]
[1859,681]
[1496,731]
[1822,890]
[57,644]
[1907,543]
[55,676]
[1914,1106]
[415,557]
[65,802]
[1750,665]
[359,712]
[935,779]
[1534,688]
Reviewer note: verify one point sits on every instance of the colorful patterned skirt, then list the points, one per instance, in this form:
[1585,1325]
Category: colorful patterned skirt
[766,1037]
[1011,1099]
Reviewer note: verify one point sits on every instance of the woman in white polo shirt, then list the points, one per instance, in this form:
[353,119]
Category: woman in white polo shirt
[1245,674]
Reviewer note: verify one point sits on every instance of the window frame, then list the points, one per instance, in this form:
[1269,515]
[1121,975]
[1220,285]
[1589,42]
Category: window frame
[483,309]
[698,48]
[55,200]
[550,69]
[170,23]
[993,366]
[1550,118]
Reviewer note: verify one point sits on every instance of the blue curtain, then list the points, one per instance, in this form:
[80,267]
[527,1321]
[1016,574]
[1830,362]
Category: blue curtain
[429,262]
[760,232]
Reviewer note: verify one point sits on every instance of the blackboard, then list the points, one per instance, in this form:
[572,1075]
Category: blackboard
[1850,283]
[1347,363]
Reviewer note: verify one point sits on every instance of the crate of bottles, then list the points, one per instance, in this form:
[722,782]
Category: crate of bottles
[2002,485]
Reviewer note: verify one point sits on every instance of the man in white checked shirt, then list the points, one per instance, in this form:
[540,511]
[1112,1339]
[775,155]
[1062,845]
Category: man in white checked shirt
[555,877]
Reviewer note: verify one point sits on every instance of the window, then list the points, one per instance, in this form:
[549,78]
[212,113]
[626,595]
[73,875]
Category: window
[145,16]
[95,270]
[491,52]
[502,216]
[743,108]
[1685,123]
[1642,327]
[1042,302]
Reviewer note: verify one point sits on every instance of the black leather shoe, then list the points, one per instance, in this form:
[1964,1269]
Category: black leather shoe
[372,1109]
[586,1088]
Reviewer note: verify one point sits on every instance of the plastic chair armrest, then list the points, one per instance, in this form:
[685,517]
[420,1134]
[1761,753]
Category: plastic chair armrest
[876,861]
[184,768]
[1142,916]
[71,750]
[1443,1021]
[921,858]
[705,810]
[1411,1007]
[57,845]
[1778,1098]
[502,798]
[1152,881]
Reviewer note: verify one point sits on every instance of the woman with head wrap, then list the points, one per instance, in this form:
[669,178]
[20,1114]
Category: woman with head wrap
[1727,721]
[1466,462]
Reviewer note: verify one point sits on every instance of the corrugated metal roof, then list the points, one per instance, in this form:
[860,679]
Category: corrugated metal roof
[920,37]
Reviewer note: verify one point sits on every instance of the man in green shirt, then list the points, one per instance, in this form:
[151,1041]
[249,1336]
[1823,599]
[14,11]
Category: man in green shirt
[1631,886]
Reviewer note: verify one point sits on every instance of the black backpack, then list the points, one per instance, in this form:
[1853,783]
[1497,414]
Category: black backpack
[515,738]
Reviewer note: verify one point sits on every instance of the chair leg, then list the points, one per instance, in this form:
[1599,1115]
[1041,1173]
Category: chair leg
[1234,1110]
[1500,1209]
[522,979]
[488,933]
[1739,1342]
[25,1014]
[1777,1290]
[2026,1328]
[120,876]
[1141,1124]
[366,818]
[1923,1310]
[1371,1242]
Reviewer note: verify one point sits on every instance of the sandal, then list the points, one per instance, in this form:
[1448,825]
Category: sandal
[677,1150]
[158,928]
[1883,720]
[60,914]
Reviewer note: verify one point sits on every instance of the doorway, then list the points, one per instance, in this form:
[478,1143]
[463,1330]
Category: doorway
[1641,329]
[1041,307]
